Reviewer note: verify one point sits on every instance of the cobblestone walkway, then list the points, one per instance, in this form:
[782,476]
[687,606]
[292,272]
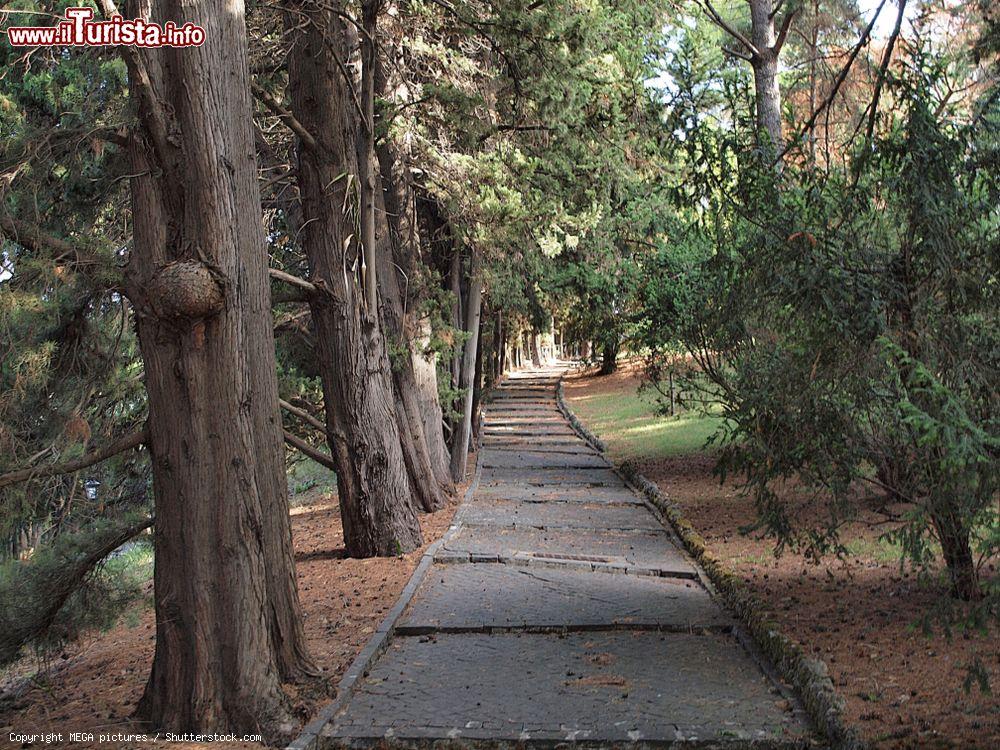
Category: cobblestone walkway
[559,610]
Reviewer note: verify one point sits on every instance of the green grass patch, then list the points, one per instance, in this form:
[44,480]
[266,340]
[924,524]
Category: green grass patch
[309,482]
[629,424]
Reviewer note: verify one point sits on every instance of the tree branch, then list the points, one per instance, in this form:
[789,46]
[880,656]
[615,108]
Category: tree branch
[715,18]
[303,415]
[307,286]
[786,24]
[149,105]
[130,441]
[838,82]
[737,53]
[33,238]
[307,450]
[265,98]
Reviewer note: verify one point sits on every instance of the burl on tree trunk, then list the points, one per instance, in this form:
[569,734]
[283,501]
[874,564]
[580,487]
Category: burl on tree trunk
[228,628]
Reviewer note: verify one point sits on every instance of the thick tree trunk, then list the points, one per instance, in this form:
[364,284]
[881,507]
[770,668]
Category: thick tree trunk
[609,357]
[455,280]
[460,441]
[425,373]
[228,628]
[372,481]
[477,386]
[416,379]
[430,495]
[536,352]
[954,538]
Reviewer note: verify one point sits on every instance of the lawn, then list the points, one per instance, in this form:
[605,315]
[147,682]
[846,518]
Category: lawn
[630,425]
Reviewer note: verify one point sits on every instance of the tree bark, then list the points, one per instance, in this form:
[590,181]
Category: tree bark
[536,353]
[429,492]
[228,623]
[417,382]
[477,386]
[460,441]
[765,73]
[373,484]
[609,357]
[425,374]
[961,563]
[455,279]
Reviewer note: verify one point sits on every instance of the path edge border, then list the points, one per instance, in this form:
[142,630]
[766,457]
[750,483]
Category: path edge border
[809,676]
[309,736]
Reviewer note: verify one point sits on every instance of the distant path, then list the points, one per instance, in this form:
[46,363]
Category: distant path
[561,609]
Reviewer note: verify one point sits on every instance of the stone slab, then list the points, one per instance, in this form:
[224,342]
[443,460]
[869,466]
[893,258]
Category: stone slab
[557,515]
[650,550]
[520,421]
[494,459]
[482,596]
[541,394]
[513,438]
[560,493]
[523,430]
[613,687]
[551,476]
[579,448]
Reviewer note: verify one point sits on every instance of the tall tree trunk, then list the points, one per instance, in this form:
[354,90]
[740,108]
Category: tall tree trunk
[429,491]
[365,140]
[477,386]
[228,626]
[455,279]
[419,395]
[460,441]
[536,352]
[425,374]
[954,537]
[372,481]
[765,73]
[609,357]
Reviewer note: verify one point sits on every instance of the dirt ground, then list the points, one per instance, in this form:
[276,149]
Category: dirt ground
[903,689]
[96,683]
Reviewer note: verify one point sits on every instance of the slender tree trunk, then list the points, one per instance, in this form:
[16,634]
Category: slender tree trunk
[365,140]
[460,442]
[228,627]
[372,480]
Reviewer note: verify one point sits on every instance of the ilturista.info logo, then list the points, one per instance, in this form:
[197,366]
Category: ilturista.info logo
[79,29]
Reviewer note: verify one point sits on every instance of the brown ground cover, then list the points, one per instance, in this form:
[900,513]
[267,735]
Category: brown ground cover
[95,684]
[902,688]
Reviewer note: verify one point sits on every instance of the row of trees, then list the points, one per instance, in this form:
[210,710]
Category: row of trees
[334,224]
[327,224]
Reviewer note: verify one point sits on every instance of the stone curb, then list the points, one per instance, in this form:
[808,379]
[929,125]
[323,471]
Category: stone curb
[809,676]
[309,736]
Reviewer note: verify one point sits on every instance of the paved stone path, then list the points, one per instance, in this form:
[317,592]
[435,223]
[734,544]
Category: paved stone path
[560,610]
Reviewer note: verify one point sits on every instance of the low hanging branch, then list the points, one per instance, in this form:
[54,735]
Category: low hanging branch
[307,450]
[306,286]
[130,441]
[290,121]
[25,621]
[303,415]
